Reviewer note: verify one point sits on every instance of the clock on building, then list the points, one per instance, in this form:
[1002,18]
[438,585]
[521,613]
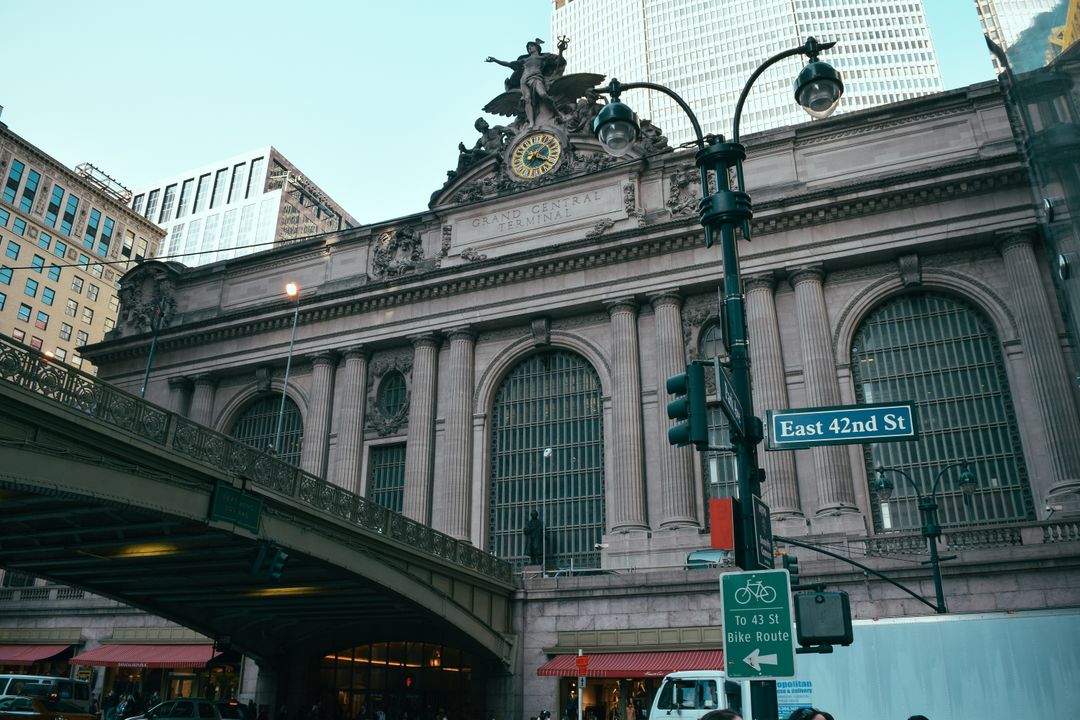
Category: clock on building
[535,155]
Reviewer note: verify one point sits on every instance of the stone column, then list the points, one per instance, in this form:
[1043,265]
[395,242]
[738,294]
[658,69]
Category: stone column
[350,411]
[1050,379]
[781,488]
[420,447]
[317,423]
[179,395]
[454,484]
[676,463]
[202,399]
[627,496]
[836,492]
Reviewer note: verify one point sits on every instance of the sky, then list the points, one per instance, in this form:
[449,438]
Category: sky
[368,98]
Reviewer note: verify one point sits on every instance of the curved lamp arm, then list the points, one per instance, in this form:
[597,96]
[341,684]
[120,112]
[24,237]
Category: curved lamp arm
[810,48]
[911,481]
[941,474]
[615,88]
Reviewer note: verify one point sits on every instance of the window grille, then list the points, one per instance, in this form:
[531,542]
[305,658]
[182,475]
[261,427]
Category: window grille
[943,355]
[257,426]
[386,478]
[552,400]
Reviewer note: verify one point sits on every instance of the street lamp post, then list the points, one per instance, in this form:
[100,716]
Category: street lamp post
[818,89]
[928,506]
[293,291]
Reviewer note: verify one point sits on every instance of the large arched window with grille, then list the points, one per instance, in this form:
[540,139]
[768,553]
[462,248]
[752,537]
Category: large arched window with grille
[257,426]
[548,401]
[942,354]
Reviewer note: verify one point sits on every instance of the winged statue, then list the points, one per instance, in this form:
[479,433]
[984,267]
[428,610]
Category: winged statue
[537,84]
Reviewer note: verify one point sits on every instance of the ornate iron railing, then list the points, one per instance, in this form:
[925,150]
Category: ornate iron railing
[92,396]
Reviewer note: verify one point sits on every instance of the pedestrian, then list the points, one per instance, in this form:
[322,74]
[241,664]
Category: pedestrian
[725,714]
[809,713]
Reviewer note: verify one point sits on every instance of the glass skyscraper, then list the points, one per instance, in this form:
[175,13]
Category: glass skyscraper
[705,50]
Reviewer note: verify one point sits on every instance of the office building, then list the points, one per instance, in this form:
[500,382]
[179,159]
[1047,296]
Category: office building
[237,206]
[66,236]
[706,50]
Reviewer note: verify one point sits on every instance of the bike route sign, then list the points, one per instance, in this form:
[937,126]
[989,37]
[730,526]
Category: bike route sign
[839,425]
[759,639]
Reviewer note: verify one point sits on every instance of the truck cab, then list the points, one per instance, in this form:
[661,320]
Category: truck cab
[689,694]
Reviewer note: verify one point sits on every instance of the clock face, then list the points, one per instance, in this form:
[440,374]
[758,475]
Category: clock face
[535,155]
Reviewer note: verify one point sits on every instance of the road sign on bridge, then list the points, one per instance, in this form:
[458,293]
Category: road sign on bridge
[759,640]
[840,425]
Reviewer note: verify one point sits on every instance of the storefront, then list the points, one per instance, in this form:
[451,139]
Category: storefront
[38,651]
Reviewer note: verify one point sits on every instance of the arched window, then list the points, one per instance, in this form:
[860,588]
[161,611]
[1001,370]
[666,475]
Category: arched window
[711,341]
[393,395]
[548,401]
[258,423]
[943,355]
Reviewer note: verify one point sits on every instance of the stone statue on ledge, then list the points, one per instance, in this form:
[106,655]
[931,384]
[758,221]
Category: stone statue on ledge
[534,538]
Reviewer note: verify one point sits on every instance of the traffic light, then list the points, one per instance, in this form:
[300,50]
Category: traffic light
[689,406]
[823,618]
[791,564]
[269,562]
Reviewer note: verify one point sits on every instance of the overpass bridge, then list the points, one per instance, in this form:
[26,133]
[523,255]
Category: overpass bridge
[103,491]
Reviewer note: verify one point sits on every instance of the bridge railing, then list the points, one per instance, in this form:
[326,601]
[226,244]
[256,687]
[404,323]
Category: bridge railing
[110,405]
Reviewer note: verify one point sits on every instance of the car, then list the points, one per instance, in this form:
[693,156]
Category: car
[23,707]
[76,691]
[196,709]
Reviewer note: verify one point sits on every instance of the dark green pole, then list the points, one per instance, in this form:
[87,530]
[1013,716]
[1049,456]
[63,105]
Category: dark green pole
[156,327]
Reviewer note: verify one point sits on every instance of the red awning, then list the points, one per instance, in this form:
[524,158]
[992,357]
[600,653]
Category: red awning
[147,656]
[635,665]
[28,654]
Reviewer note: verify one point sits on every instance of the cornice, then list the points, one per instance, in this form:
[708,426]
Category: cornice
[913,189]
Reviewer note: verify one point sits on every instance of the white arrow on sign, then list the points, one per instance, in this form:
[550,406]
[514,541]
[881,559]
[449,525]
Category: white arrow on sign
[756,659]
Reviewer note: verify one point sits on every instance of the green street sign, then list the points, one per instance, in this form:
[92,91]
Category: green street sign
[233,506]
[759,639]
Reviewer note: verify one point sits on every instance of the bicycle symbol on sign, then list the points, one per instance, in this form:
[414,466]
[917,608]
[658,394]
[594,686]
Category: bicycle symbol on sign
[755,590]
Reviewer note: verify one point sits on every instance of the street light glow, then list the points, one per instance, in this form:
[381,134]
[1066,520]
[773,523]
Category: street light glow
[292,289]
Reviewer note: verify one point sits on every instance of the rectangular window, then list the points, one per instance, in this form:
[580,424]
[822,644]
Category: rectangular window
[31,287]
[129,242]
[77,284]
[152,204]
[185,198]
[239,183]
[106,236]
[68,221]
[36,342]
[91,229]
[18,334]
[84,262]
[37,264]
[53,211]
[14,178]
[54,272]
[5,216]
[97,270]
[137,203]
[76,361]
[72,308]
[258,167]
[140,249]
[92,291]
[65,331]
[13,249]
[386,480]
[81,338]
[48,295]
[202,193]
[60,249]
[24,312]
[42,321]
[167,202]
[61,354]
[44,240]
[87,315]
[3,300]
[19,227]
[114,304]
[5,275]
[221,181]
[29,191]
[109,324]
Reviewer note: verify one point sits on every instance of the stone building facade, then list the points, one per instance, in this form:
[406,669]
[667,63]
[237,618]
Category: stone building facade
[506,351]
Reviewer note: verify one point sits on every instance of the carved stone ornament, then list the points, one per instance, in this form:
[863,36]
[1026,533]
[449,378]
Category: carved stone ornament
[600,228]
[684,192]
[147,299]
[374,419]
[471,255]
[541,331]
[630,203]
[910,271]
[396,252]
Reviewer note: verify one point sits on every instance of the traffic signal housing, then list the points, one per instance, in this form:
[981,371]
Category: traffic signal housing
[791,564]
[689,406]
[269,562]
[823,618]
